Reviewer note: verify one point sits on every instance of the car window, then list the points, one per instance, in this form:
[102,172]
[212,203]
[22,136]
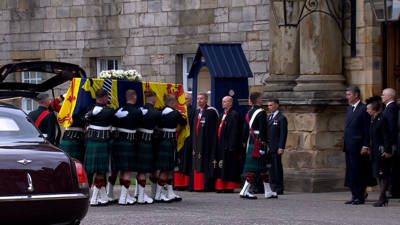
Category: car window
[16,126]
[8,124]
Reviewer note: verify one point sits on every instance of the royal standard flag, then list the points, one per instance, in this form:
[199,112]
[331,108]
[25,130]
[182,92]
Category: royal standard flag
[81,94]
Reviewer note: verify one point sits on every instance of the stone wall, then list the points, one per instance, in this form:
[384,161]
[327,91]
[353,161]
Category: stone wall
[150,36]
[364,69]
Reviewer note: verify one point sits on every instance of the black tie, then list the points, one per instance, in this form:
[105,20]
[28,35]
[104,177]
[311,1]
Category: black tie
[352,108]
[270,117]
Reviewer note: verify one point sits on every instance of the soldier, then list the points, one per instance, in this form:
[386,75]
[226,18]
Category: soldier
[203,132]
[168,149]
[123,150]
[256,133]
[45,120]
[151,119]
[227,149]
[99,117]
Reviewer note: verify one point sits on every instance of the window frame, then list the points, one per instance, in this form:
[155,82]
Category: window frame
[98,64]
[26,101]
[185,72]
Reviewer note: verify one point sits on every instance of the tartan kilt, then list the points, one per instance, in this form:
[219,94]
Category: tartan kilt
[144,157]
[255,165]
[74,149]
[165,156]
[123,156]
[97,157]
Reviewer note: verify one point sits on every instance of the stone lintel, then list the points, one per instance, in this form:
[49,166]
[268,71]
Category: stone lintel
[329,82]
[27,55]
[314,180]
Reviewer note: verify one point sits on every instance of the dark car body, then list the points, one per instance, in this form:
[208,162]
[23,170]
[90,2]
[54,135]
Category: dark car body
[39,183]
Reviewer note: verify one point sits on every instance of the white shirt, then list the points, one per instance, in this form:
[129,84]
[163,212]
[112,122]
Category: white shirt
[356,104]
[389,103]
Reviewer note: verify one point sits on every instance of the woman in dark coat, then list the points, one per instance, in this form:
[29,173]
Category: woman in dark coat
[381,150]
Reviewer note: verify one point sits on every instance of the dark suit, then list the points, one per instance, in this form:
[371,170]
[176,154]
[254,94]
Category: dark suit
[277,134]
[391,112]
[356,135]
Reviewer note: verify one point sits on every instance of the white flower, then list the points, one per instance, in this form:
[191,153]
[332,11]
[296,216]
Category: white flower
[131,75]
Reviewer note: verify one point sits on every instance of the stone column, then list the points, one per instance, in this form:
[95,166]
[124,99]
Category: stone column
[320,54]
[284,64]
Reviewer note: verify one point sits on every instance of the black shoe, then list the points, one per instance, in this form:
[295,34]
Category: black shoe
[349,202]
[218,191]
[228,191]
[380,204]
[358,202]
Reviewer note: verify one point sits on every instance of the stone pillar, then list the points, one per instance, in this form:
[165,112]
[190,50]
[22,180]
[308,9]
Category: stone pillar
[284,61]
[320,53]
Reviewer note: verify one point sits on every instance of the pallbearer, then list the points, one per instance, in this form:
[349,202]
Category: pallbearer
[168,149]
[99,117]
[123,151]
[203,132]
[225,167]
[145,151]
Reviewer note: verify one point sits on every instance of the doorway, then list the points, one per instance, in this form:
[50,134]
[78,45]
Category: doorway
[391,56]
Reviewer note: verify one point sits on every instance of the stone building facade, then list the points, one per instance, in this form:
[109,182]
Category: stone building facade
[307,68]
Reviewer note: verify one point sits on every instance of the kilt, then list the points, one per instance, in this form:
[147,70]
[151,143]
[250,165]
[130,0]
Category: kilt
[165,156]
[123,156]
[144,159]
[255,165]
[74,149]
[97,157]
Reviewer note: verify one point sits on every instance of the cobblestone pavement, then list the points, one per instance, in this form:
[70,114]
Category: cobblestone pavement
[212,208]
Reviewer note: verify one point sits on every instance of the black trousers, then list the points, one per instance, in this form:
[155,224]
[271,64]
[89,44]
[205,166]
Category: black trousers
[276,172]
[354,175]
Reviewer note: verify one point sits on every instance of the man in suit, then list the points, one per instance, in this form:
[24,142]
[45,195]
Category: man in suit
[356,144]
[391,112]
[277,134]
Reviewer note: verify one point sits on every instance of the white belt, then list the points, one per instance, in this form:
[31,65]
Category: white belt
[145,130]
[45,135]
[114,128]
[255,131]
[99,127]
[75,129]
[169,129]
[126,130]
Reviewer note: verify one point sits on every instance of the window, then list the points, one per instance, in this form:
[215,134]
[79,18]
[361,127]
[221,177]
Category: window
[108,64]
[187,64]
[28,104]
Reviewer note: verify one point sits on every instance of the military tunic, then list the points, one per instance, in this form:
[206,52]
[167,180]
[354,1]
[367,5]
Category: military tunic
[167,148]
[123,150]
[98,136]
[48,126]
[256,165]
[146,149]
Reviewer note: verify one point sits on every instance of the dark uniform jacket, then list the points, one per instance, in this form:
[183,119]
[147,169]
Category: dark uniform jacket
[171,121]
[48,125]
[225,163]
[259,124]
[130,122]
[391,113]
[277,132]
[151,120]
[104,119]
